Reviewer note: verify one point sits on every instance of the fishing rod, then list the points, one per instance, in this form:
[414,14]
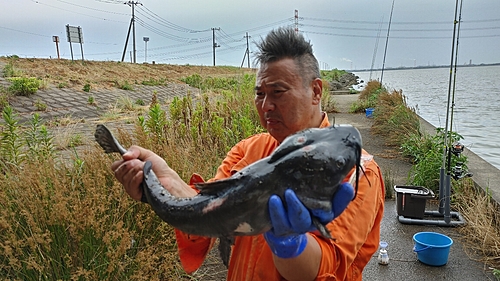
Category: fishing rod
[386,43]
[445,171]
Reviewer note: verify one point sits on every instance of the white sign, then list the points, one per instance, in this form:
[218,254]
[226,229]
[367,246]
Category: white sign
[74,34]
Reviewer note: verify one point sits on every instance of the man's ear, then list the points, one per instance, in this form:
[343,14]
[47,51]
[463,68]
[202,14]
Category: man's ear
[317,87]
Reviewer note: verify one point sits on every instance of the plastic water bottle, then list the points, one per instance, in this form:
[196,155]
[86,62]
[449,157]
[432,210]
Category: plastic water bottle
[383,257]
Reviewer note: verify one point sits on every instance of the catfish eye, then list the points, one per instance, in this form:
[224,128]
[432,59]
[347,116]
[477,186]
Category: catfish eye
[340,162]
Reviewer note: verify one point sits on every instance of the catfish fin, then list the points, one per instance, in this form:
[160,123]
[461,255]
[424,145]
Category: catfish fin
[225,244]
[216,187]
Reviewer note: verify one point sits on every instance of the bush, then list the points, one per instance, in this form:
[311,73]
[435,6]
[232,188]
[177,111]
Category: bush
[24,86]
[87,87]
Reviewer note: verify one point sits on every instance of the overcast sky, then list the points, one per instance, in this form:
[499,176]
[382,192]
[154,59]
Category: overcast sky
[345,34]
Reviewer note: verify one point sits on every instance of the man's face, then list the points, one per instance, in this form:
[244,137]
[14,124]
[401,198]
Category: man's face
[284,104]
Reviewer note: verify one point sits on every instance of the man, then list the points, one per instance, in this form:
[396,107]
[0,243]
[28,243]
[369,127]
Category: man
[288,99]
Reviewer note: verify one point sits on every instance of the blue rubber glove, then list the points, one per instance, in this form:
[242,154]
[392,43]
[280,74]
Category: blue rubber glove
[287,238]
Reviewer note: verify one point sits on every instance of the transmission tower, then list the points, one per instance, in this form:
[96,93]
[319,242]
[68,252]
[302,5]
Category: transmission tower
[247,52]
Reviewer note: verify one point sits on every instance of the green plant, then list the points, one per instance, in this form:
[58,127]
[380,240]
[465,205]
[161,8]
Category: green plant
[332,75]
[126,86]
[91,100]
[212,83]
[87,87]
[40,105]
[11,139]
[10,71]
[62,85]
[4,97]
[426,152]
[368,98]
[140,102]
[496,273]
[24,86]
[38,139]
[75,140]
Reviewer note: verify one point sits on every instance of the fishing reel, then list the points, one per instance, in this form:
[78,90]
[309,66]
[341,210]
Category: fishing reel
[457,148]
[457,171]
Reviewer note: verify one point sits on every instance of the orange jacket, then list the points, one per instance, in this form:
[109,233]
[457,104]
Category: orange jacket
[356,231]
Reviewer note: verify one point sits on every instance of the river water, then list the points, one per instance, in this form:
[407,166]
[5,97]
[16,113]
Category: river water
[476,110]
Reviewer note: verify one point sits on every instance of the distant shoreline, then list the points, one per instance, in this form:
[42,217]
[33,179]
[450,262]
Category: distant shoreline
[422,67]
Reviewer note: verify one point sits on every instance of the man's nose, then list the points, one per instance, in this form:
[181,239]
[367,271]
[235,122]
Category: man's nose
[268,103]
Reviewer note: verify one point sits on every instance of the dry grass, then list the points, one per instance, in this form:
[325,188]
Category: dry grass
[482,232]
[393,115]
[108,74]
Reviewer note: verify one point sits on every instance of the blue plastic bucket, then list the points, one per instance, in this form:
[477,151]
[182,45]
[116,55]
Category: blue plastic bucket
[432,248]
[369,112]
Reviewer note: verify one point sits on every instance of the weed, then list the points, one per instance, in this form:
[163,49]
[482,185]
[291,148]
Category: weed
[75,140]
[24,86]
[368,98]
[426,151]
[91,100]
[62,85]
[328,103]
[38,139]
[389,183]
[11,140]
[332,75]
[87,87]
[126,104]
[4,97]
[10,71]
[140,102]
[126,86]
[40,105]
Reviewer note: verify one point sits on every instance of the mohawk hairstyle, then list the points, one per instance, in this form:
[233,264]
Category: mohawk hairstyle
[285,42]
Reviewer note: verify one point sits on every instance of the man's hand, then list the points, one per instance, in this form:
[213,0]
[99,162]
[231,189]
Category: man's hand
[129,172]
[287,238]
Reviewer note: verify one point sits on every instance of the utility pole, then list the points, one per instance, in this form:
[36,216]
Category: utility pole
[296,21]
[215,45]
[131,26]
[247,52]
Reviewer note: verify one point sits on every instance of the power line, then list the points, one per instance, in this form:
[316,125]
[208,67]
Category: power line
[397,23]
[54,7]
[93,9]
[156,18]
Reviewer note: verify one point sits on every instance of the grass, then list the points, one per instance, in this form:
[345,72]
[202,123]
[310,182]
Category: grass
[66,218]
[104,74]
